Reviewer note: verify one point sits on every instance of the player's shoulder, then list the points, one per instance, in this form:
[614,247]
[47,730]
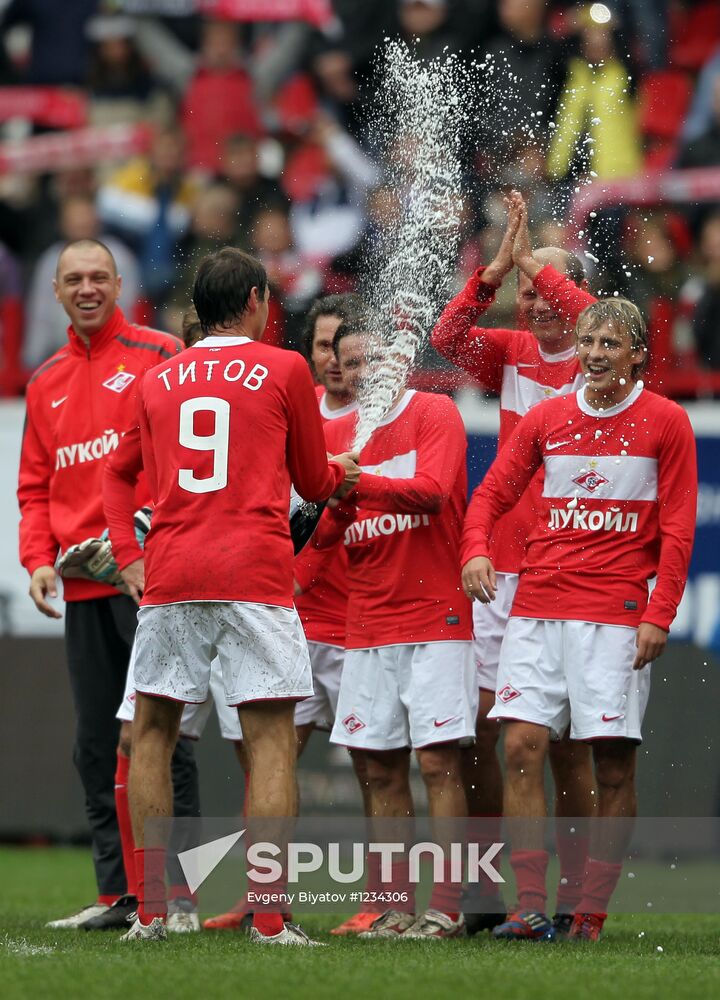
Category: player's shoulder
[664,411]
[434,403]
[49,370]
[146,340]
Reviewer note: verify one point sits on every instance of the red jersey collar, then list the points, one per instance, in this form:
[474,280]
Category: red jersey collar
[100,340]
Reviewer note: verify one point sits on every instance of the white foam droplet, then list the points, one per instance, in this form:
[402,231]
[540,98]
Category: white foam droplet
[578,436]
[622,381]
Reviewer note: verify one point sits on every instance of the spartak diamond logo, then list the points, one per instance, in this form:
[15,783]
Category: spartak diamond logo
[119,382]
[508,693]
[592,479]
[353,724]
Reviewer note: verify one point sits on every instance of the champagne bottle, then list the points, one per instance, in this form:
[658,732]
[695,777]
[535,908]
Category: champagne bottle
[304,517]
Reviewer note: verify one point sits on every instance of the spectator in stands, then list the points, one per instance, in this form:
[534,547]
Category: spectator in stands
[329,212]
[219,100]
[240,170]
[213,226]
[339,88]
[58,48]
[148,203]
[658,270]
[120,84]
[293,278]
[705,326]
[704,149]
[597,129]
[523,50]
[12,377]
[46,325]
[702,113]
[425,24]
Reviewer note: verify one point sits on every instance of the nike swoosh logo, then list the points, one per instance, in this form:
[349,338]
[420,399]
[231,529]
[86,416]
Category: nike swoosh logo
[610,718]
[444,722]
[57,402]
[556,444]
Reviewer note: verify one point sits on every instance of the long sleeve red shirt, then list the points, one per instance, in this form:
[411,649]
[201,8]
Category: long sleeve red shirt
[79,404]
[617,508]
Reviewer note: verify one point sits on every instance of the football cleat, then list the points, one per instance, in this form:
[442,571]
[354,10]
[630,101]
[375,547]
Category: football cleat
[435,925]
[390,924]
[291,934]
[237,919]
[356,925]
[154,931]
[115,917]
[525,926]
[182,916]
[562,922]
[79,918]
[587,926]
[482,912]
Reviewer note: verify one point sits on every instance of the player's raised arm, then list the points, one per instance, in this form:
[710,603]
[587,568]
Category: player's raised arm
[442,445]
[677,506]
[476,350]
[566,293]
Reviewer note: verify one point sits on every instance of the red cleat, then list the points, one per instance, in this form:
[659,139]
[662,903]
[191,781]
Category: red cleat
[356,925]
[237,919]
[587,926]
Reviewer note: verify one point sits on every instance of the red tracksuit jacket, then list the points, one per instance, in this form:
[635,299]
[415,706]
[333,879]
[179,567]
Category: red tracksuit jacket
[79,404]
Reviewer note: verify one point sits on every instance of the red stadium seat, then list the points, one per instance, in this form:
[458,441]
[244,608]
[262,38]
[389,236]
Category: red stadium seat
[663,99]
[695,34]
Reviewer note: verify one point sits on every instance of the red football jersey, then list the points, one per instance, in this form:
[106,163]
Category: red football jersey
[617,508]
[322,574]
[225,427]
[404,534]
[511,363]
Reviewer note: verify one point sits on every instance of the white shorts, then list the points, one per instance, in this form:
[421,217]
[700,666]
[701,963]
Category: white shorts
[407,695]
[327,664]
[557,672]
[194,717]
[489,624]
[261,648]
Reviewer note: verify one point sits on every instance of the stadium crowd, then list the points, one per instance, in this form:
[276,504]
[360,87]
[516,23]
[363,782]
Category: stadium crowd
[170,136]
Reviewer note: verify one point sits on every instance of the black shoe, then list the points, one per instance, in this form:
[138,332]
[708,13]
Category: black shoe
[562,922]
[115,918]
[476,910]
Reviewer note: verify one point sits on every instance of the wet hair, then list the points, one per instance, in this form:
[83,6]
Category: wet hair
[342,306]
[574,268]
[191,329]
[622,313]
[85,244]
[222,287]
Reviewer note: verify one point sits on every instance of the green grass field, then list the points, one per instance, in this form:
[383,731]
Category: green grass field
[638,957]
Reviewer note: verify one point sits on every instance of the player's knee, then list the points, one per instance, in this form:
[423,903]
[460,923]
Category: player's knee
[438,765]
[569,759]
[487,734]
[614,773]
[523,753]
[385,773]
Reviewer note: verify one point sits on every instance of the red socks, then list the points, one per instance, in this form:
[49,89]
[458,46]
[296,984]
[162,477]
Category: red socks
[446,895]
[122,807]
[601,878]
[530,869]
[572,854]
[150,871]
[373,883]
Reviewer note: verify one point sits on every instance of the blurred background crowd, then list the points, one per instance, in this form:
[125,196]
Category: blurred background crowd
[168,128]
